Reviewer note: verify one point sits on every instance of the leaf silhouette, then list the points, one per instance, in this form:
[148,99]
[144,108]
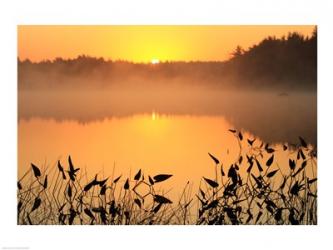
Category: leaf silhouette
[250,167]
[270,161]
[250,217]
[240,160]
[283,183]
[259,166]
[295,188]
[61,170]
[45,182]
[292,164]
[137,202]
[72,171]
[240,136]
[258,217]
[302,154]
[36,204]
[232,130]
[257,181]
[126,185]
[29,219]
[36,170]
[268,149]
[69,191]
[236,167]
[161,199]
[71,176]
[151,181]
[312,180]
[137,176]
[222,172]
[272,173]
[249,159]
[71,216]
[270,203]
[103,190]
[214,158]
[101,183]
[89,213]
[212,183]
[233,174]
[19,206]
[161,177]
[278,214]
[91,184]
[71,166]
[303,143]
[202,193]
[251,141]
[292,220]
[300,169]
[88,186]
[158,207]
[117,179]
[212,204]
[113,209]
[98,210]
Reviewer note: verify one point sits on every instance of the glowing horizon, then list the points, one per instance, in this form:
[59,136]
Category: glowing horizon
[144,43]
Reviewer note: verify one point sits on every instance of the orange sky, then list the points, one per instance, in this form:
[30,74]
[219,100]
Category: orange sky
[143,43]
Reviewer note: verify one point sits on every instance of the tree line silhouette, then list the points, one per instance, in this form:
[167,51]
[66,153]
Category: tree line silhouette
[286,60]
[284,63]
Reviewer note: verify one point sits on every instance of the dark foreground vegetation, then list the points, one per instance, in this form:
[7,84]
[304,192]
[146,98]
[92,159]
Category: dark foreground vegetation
[285,64]
[250,191]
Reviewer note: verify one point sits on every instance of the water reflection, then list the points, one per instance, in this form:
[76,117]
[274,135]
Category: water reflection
[154,142]
[268,115]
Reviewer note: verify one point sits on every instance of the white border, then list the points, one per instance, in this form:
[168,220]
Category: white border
[162,12]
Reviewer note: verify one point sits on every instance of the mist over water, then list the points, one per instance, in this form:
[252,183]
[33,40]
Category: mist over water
[272,115]
[155,119]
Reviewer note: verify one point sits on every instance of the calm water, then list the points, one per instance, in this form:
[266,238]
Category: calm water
[113,134]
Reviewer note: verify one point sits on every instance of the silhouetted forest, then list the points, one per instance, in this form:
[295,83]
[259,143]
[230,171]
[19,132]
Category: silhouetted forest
[290,60]
[285,63]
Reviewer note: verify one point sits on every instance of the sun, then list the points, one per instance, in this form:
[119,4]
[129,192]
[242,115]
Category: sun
[155,61]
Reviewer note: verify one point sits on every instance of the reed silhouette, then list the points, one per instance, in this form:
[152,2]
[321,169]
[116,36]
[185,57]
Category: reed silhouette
[265,195]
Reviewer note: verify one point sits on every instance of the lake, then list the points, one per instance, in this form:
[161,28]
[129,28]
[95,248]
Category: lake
[172,134]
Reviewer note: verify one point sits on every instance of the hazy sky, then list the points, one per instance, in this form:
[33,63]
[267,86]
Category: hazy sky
[143,43]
